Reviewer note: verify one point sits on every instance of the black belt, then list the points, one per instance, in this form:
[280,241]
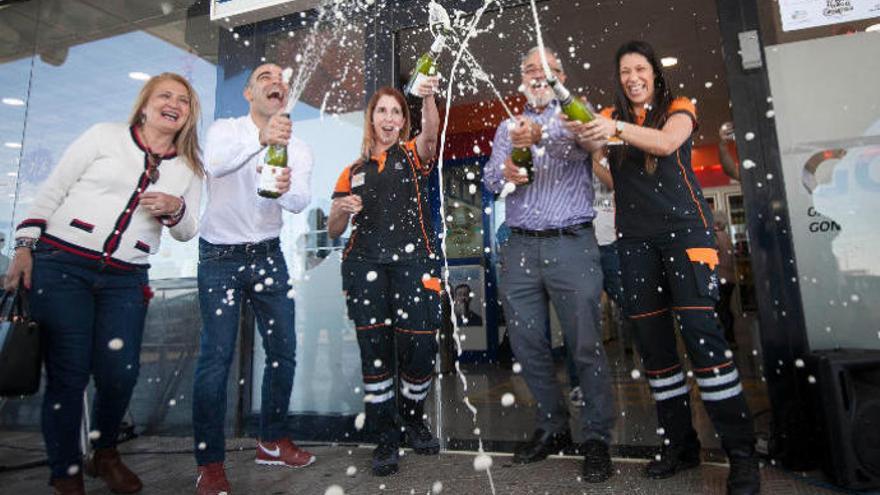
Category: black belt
[570,230]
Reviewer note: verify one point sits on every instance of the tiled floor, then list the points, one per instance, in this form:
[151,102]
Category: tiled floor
[167,467]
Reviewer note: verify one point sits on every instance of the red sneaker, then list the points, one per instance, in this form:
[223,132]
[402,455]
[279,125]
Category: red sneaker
[212,480]
[283,453]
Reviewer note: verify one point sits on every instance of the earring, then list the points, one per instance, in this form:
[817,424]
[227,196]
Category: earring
[143,118]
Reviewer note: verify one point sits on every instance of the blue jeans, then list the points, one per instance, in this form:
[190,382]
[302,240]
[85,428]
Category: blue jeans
[228,275]
[86,312]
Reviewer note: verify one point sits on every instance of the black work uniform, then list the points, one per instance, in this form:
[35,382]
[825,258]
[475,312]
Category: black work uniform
[668,255]
[389,274]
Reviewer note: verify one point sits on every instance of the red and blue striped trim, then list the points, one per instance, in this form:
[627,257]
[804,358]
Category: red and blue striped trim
[90,254]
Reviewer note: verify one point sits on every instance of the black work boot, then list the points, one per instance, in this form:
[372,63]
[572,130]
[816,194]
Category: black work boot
[744,477]
[385,459]
[418,435]
[674,458]
[597,461]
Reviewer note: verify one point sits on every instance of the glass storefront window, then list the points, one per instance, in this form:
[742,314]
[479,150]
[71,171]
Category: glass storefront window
[830,152]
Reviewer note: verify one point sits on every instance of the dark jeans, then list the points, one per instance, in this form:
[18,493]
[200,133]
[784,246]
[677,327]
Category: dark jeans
[93,318]
[228,275]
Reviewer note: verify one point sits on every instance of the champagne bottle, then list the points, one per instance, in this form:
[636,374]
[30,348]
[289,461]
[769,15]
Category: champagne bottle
[571,106]
[276,160]
[522,158]
[426,66]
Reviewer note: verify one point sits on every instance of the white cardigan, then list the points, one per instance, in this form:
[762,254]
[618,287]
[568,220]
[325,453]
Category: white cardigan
[89,203]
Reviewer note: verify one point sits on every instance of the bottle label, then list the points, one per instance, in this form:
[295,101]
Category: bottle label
[419,79]
[267,178]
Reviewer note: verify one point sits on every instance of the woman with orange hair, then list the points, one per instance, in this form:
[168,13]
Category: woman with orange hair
[389,268]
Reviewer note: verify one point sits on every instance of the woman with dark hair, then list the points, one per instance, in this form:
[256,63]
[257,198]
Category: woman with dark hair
[83,250]
[668,256]
[389,269]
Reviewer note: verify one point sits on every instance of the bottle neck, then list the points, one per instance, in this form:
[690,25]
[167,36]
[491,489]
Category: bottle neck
[562,93]
[439,43]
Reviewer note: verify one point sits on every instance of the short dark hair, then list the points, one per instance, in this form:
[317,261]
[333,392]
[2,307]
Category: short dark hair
[253,72]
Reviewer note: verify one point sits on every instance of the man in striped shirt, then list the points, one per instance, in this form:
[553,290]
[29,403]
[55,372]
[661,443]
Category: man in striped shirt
[552,255]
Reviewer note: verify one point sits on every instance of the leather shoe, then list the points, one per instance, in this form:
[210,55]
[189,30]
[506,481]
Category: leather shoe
[107,465]
[541,445]
[69,486]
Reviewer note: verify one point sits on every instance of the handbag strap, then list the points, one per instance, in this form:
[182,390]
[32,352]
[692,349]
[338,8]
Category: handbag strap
[18,307]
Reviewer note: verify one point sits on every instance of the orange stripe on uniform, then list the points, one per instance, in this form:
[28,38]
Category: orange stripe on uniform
[649,314]
[419,200]
[683,105]
[708,256]
[416,332]
[713,368]
[343,183]
[370,327]
[664,370]
[432,283]
[690,188]
[694,308]
[411,146]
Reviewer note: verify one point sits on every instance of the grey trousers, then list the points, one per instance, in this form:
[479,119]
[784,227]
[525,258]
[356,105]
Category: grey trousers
[565,270]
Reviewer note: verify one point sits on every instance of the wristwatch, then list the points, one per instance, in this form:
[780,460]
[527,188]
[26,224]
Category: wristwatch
[25,242]
[618,127]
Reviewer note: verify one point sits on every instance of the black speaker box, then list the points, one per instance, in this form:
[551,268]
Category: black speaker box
[847,407]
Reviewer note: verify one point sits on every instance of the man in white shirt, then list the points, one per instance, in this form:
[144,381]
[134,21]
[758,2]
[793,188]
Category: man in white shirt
[240,259]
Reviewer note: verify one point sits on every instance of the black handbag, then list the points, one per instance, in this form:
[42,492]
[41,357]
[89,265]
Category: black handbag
[21,356]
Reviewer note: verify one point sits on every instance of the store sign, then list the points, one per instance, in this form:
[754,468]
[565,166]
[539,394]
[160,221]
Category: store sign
[237,12]
[803,14]
[829,140]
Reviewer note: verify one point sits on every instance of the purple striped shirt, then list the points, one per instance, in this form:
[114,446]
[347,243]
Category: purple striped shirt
[562,192]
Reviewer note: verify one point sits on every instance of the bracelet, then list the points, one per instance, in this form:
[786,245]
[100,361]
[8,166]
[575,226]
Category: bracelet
[173,219]
[179,211]
[26,242]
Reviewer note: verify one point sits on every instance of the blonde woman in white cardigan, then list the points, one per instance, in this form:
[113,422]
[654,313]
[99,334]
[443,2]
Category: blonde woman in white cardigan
[82,252]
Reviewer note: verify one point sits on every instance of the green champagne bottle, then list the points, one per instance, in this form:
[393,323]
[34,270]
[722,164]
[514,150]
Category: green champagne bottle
[571,106]
[426,66]
[276,160]
[522,158]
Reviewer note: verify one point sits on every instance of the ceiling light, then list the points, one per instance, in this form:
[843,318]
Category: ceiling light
[873,28]
[14,146]
[668,61]
[15,102]
[139,76]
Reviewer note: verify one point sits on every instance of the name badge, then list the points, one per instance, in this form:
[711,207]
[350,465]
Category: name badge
[357,180]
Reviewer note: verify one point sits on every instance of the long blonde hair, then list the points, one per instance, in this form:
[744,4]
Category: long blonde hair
[187,139]
[369,134]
